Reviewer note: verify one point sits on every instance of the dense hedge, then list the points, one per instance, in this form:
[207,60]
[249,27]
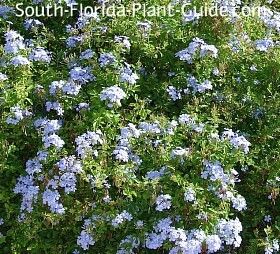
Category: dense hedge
[140,134]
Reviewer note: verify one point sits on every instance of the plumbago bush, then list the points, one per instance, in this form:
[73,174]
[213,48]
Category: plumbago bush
[139,134]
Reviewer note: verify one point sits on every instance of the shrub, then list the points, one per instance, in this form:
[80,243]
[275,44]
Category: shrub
[140,134]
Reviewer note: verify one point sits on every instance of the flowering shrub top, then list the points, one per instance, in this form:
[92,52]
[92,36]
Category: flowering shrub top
[139,134]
